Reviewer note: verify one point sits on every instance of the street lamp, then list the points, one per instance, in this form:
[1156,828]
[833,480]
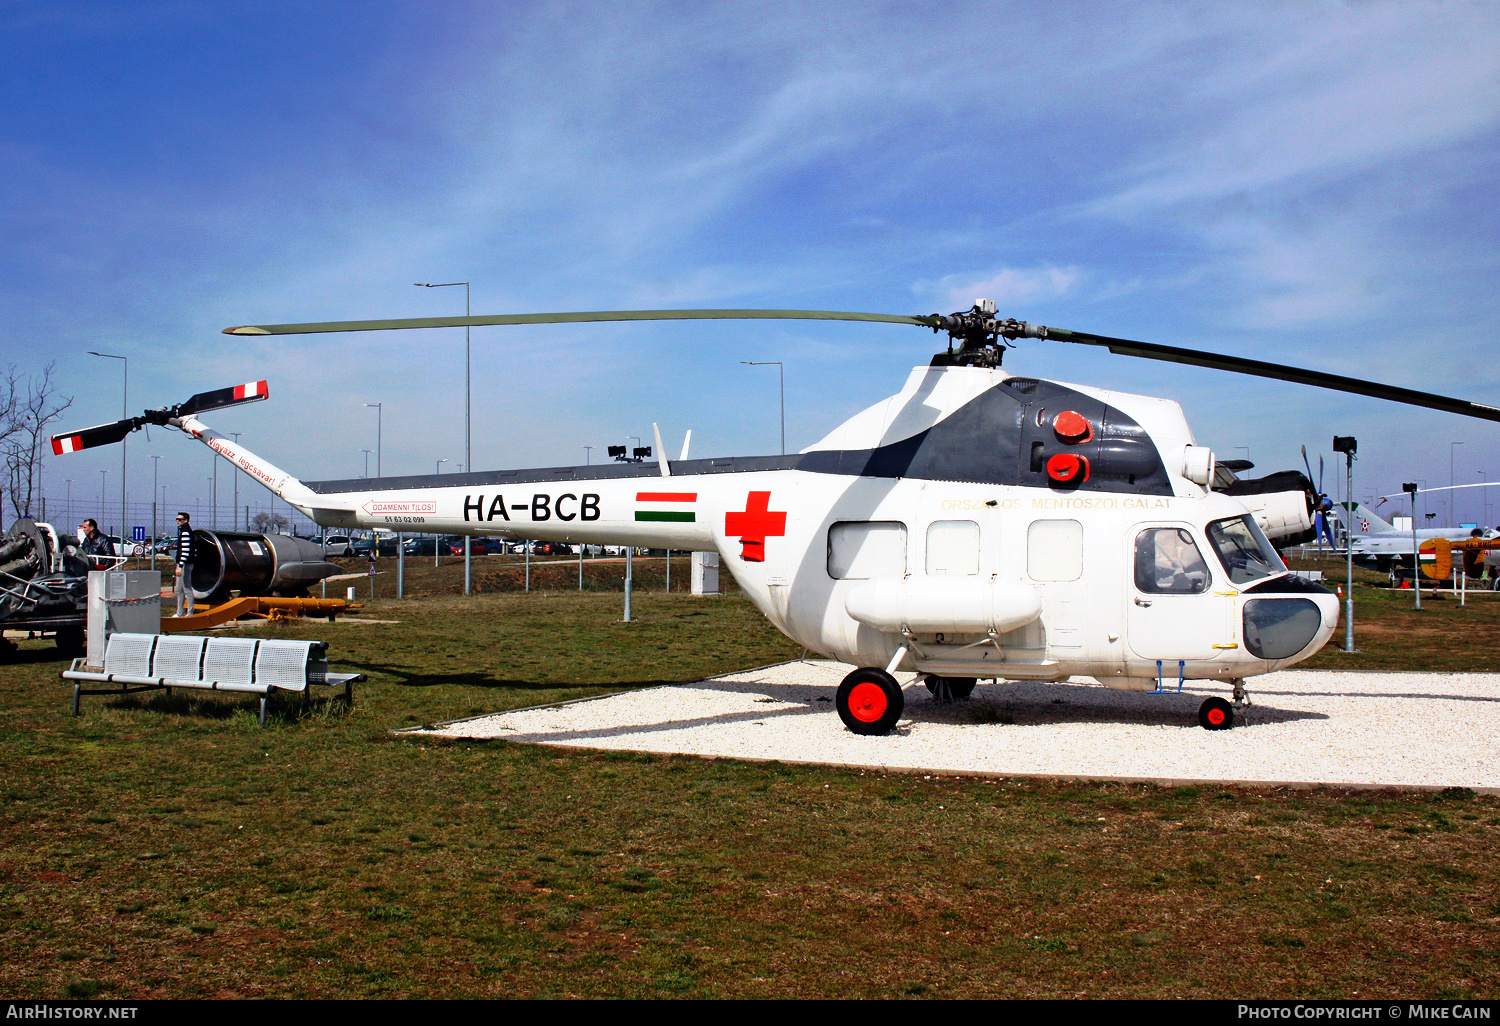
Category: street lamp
[102,474]
[379,416]
[155,464]
[468,403]
[69,516]
[1450,474]
[1485,496]
[235,519]
[367,460]
[781,372]
[588,455]
[124,413]
[439,468]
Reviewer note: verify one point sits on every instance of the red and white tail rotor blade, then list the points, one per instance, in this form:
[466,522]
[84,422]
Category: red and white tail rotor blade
[235,395]
[88,438]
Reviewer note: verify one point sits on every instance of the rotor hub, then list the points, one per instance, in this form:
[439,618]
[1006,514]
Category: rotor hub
[977,338]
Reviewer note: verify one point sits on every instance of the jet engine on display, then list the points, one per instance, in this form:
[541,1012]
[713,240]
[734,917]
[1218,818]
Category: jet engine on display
[976,525]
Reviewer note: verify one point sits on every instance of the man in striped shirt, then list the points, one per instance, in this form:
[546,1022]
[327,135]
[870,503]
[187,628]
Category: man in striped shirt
[184,585]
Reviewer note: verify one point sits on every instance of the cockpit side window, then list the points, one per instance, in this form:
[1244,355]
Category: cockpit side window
[1167,562]
[1244,550]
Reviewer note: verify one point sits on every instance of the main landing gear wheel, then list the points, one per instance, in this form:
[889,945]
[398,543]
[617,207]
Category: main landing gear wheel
[950,688]
[870,701]
[1216,714]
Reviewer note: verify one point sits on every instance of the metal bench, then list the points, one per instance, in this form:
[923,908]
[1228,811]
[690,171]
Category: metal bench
[257,666]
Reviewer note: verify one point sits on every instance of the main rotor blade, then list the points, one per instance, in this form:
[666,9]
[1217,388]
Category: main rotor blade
[569,318]
[88,438]
[1261,369]
[234,395]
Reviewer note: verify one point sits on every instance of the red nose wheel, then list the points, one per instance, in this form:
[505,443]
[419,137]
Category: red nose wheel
[870,701]
[1216,714]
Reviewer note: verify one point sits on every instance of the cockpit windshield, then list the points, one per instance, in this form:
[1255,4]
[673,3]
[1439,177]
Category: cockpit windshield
[1244,550]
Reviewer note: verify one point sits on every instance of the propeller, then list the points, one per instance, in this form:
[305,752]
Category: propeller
[977,333]
[108,434]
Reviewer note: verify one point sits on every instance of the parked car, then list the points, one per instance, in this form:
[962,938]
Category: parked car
[476,546]
[551,548]
[420,546]
[387,546]
[338,545]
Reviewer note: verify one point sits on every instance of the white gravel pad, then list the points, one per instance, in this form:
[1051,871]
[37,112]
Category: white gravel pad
[1371,729]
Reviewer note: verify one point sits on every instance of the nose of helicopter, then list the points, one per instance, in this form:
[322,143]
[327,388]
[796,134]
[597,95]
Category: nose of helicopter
[1288,617]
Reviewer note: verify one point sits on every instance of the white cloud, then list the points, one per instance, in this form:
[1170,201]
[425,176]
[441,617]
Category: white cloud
[1007,287]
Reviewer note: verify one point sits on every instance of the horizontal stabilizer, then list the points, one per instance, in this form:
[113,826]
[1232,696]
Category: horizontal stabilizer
[88,438]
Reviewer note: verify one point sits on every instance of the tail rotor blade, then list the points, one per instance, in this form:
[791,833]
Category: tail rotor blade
[88,438]
[219,398]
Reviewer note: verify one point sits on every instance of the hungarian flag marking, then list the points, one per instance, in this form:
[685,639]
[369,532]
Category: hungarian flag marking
[70,444]
[671,501]
[251,390]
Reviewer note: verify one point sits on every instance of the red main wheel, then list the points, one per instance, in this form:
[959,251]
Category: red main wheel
[870,701]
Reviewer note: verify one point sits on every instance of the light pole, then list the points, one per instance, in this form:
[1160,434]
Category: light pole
[102,474]
[1410,488]
[588,455]
[468,406]
[367,461]
[235,509]
[781,372]
[155,463]
[69,516]
[124,413]
[439,468]
[1485,496]
[1450,477]
[379,416]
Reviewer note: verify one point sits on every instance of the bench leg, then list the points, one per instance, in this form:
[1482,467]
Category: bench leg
[263,700]
[76,688]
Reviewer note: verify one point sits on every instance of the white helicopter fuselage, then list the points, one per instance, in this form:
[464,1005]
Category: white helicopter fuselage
[976,524]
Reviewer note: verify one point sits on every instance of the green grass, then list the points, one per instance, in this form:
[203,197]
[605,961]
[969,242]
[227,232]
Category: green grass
[169,847]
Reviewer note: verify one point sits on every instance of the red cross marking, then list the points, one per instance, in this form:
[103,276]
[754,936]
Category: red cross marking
[754,525]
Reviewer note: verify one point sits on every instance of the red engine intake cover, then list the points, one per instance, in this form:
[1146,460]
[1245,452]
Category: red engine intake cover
[1068,468]
[1073,427]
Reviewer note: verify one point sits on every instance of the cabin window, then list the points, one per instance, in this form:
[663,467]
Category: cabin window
[1054,550]
[1167,562]
[859,550]
[1244,550]
[952,547]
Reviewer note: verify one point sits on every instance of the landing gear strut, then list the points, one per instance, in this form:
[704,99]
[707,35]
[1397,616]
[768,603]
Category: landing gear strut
[870,701]
[950,689]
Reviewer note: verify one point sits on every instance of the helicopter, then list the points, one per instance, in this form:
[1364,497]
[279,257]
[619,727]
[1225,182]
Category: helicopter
[976,525]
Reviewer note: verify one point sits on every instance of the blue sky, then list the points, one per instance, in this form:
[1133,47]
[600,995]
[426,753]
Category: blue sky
[1312,184]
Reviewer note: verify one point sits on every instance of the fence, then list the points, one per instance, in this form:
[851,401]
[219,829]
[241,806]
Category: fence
[66,515]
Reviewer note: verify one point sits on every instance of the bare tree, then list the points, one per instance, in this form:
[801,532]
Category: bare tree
[266,522]
[27,406]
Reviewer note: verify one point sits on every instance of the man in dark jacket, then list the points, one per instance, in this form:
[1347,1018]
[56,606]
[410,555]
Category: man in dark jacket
[94,543]
[184,585]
